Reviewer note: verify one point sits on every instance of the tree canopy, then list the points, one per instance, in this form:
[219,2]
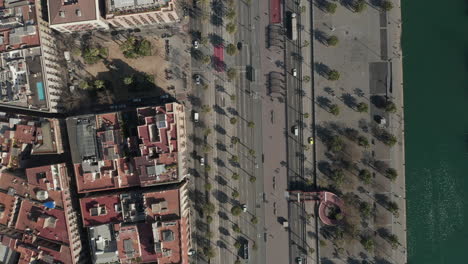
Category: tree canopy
[134,47]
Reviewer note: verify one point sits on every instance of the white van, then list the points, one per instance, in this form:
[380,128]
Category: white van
[195,117]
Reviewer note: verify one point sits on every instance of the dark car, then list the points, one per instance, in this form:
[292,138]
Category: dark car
[239,45]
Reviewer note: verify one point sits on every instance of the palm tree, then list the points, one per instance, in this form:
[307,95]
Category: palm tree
[235,176]
[231,14]
[209,219]
[231,28]
[362,107]
[235,158]
[333,75]
[236,228]
[206,108]
[236,210]
[367,243]
[390,107]
[365,176]
[231,74]
[208,186]
[332,41]
[233,120]
[252,179]
[363,142]
[306,79]
[128,80]
[334,109]
[387,5]
[254,220]
[231,49]
[208,208]
[251,124]
[365,209]
[330,7]
[360,6]
[235,140]
[235,194]
[391,173]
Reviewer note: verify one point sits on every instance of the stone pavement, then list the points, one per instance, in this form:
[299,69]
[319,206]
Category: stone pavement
[368,59]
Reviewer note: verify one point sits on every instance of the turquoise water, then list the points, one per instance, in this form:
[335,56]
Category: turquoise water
[40,91]
[435,46]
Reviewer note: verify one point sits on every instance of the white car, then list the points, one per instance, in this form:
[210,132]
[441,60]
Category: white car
[244,207]
[197,79]
[202,161]
[295,130]
[294,72]
[195,44]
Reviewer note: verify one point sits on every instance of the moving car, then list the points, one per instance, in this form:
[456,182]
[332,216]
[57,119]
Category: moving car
[197,78]
[244,207]
[299,260]
[295,130]
[294,72]
[311,140]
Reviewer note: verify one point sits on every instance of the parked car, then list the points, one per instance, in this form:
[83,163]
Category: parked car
[197,78]
[195,44]
[299,260]
[202,161]
[195,117]
[295,130]
[244,207]
[311,140]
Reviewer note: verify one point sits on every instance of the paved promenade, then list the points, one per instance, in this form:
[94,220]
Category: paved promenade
[368,57]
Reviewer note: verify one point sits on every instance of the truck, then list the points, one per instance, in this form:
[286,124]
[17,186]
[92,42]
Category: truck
[293,26]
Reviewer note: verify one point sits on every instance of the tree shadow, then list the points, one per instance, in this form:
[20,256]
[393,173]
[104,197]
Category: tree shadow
[324,260]
[220,129]
[221,196]
[223,215]
[322,69]
[194,100]
[219,110]
[219,162]
[349,100]
[220,146]
[380,260]
[348,4]
[216,40]
[321,37]
[224,231]
[221,180]
[323,102]
[359,92]
[352,260]
[378,101]
[232,111]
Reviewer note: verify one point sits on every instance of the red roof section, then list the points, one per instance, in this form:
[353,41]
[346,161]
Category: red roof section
[46,223]
[7,203]
[25,134]
[106,215]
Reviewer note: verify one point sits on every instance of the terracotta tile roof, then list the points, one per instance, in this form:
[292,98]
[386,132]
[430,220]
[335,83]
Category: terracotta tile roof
[128,243]
[100,210]
[87,11]
[46,223]
[7,206]
[25,134]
